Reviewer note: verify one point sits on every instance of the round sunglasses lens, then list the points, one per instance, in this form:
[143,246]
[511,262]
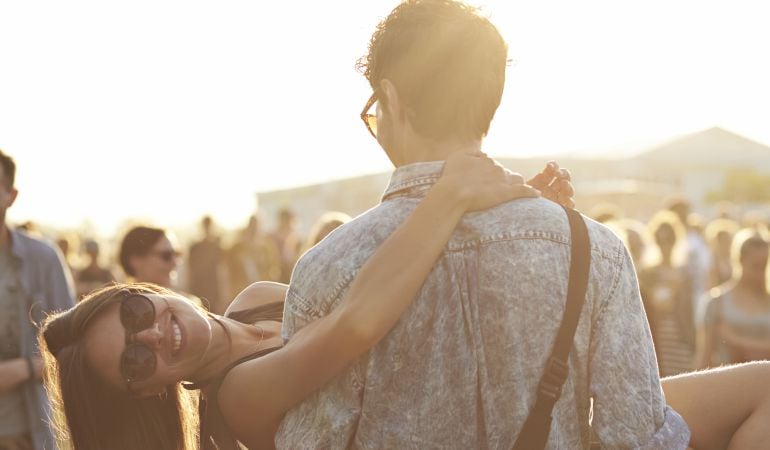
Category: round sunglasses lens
[137,313]
[137,362]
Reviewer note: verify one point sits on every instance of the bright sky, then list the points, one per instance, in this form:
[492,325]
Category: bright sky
[171,109]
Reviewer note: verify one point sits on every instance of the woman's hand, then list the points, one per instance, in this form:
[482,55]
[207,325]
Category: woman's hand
[555,184]
[479,182]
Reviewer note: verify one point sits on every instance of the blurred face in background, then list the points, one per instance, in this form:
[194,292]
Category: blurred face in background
[158,265]
[754,265]
[665,237]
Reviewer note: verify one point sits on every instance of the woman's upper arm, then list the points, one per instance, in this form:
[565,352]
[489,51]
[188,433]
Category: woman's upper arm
[269,386]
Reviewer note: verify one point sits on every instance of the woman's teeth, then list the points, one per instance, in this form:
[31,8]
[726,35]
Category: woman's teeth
[177,336]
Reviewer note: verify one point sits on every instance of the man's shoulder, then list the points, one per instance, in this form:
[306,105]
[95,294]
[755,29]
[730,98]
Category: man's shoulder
[33,248]
[355,239]
[539,219]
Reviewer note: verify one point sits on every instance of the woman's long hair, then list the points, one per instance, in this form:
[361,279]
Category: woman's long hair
[87,412]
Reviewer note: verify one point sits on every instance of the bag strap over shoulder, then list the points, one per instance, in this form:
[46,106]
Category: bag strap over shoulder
[537,427]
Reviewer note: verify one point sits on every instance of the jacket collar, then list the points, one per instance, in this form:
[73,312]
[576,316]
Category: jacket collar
[411,176]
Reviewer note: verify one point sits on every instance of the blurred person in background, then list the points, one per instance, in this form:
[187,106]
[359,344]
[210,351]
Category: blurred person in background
[93,275]
[606,212]
[66,243]
[666,291]
[719,235]
[636,237]
[253,257]
[206,266]
[698,254]
[325,224]
[150,255]
[288,241]
[34,282]
[736,321]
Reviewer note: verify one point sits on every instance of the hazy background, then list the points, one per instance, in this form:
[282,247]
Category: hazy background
[166,110]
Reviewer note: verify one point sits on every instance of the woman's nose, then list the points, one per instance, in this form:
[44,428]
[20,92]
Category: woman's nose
[151,337]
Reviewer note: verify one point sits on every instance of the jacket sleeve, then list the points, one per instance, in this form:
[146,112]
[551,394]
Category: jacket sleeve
[629,410]
[327,418]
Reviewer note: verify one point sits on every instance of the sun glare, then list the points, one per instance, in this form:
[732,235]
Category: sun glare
[170,110]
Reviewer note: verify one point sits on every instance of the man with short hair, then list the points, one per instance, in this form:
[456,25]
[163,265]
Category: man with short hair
[33,283]
[461,367]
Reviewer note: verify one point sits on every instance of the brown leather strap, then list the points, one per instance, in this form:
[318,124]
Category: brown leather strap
[537,427]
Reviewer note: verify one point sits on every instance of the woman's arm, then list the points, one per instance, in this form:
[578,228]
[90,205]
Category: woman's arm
[381,291]
[724,407]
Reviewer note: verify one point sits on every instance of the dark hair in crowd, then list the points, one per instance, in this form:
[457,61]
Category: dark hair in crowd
[137,242]
[90,414]
[447,63]
[9,169]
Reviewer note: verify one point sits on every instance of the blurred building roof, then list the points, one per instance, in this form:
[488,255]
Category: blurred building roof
[638,176]
[712,147]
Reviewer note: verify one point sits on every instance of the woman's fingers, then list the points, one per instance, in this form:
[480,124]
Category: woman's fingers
[545,178]
[564,188]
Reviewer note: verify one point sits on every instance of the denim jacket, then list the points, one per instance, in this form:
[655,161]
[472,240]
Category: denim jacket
[47,286]
[461,366]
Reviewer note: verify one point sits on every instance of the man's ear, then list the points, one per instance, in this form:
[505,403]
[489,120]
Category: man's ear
[10,198]
[389,98]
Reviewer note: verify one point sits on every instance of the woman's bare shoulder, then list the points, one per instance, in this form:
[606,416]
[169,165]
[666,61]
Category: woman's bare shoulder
[258,294]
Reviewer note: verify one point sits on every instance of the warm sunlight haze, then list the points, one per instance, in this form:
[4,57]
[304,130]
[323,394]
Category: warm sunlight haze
[167,110]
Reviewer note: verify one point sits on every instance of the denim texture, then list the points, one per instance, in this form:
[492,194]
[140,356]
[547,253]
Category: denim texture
[460,368]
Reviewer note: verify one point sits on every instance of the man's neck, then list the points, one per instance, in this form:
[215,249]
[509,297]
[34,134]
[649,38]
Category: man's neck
[427,151]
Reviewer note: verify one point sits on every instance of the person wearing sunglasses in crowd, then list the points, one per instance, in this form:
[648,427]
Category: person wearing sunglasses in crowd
[117,360]
[149,255]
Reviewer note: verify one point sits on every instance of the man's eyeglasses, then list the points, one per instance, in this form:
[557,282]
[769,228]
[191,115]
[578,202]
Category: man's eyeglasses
[138,361]
[370,120]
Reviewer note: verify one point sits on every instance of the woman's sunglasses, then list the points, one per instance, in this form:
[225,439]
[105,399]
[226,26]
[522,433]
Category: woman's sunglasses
[138,361]
[370,120]
[167,255]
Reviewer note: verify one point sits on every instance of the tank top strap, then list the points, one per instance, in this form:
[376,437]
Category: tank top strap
[214,432]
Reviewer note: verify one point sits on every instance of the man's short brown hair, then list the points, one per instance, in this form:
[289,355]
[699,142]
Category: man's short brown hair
[447,63]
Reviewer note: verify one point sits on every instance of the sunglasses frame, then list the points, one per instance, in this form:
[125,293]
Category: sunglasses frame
[130,331]
[365,116]
[167,255]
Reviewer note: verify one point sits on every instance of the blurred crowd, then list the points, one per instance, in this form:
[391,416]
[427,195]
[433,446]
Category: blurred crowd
[210,270]
[704,282]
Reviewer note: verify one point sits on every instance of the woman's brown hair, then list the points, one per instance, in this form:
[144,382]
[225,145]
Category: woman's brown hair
[90,414]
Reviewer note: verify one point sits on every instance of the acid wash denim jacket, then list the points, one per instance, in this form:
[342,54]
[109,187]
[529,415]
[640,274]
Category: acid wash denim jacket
[460,368]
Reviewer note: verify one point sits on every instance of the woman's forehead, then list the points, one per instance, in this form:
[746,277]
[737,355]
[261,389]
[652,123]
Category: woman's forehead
[104,340]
